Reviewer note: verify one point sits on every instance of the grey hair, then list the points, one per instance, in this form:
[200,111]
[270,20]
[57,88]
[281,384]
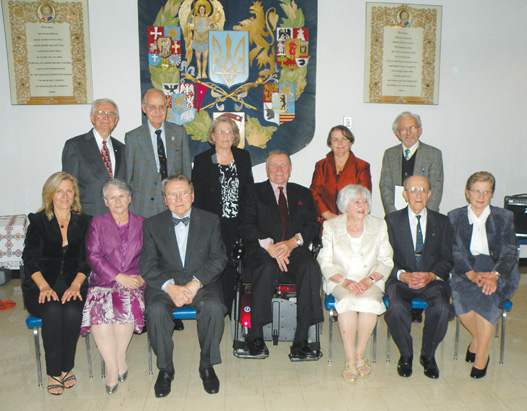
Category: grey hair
[395,124]
[175,178]
[352,192]
[104,100]
[276,153]
[117,183]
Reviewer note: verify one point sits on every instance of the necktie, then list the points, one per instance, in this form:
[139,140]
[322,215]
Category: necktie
[162,157]
[106,158]
[418,240]
[184,220]
[282,206]
[407,154]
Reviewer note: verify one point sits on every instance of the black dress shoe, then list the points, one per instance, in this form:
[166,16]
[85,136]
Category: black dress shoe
[163,383]
[477,373]
[258,349]
[211,384]
[178,325]
[302,351]
[404,366]
[430,366]
[471,356]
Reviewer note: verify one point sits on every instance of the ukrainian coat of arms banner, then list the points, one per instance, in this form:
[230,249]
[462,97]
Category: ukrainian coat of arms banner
[254,61]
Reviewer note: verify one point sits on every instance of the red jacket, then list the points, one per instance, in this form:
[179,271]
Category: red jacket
[324,185]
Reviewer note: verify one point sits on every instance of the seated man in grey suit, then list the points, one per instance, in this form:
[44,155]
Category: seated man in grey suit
[95,157]
[413,157]
[155,150]
[182,259]
[422,256]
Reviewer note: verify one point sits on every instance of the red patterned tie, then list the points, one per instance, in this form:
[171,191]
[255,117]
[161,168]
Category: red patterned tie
[106,158]
[282,206]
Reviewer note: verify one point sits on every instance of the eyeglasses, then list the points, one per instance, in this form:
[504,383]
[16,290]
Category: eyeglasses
[221,132]
[407,130]
[415,190]
[478,192]
[182,194]
[102,114]
[151,107]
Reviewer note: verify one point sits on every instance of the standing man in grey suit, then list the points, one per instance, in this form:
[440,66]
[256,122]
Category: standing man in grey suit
[412,158]
[422,255]
[182,259]
[154,151]
[95,157]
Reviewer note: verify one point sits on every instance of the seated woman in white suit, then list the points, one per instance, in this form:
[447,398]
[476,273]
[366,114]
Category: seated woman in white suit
[355,259]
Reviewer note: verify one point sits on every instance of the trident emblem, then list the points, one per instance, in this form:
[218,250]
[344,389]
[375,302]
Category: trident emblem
[229,59]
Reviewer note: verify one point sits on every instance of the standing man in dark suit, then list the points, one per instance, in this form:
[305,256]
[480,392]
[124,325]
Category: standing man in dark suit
[154,151]
[422,255]
[412,158]
[182,258]
[95,157]
[278,223]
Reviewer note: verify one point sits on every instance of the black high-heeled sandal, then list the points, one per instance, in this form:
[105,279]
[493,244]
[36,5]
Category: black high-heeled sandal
[70,378]
[55,386]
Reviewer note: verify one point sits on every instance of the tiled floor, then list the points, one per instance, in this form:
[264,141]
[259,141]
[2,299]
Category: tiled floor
[274,383]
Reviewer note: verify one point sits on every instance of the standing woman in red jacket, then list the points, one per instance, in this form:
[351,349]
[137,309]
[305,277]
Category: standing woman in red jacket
[339,169]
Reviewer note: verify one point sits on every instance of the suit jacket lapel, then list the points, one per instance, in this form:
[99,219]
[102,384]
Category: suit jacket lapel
[431,234]
[170,239]
[146,145]
[92,149]
[193,236]
[117,154]
[406,235]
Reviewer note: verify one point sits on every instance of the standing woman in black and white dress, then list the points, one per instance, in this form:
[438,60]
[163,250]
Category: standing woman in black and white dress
[221,176]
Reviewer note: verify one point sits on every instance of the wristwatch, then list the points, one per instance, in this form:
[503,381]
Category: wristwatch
[298,241]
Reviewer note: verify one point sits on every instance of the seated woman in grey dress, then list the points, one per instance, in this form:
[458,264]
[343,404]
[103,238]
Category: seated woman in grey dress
[355,259]
[115,301]
[485,266]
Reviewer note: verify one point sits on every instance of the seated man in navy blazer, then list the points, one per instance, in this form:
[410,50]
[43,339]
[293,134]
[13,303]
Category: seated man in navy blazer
[182,259]
[278,224]
[422,255]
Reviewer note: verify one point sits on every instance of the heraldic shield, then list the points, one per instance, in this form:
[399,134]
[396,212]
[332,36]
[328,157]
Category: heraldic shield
[228,57]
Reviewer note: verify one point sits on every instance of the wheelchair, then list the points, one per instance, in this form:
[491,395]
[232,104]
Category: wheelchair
[283,325]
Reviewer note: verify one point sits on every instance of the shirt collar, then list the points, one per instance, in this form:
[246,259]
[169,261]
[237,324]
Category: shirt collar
[186,215]
[99,139]
[423,213]
[473,218]
[275,187]
[152,129]
[412,149]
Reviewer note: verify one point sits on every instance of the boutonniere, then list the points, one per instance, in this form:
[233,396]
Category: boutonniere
[300,203]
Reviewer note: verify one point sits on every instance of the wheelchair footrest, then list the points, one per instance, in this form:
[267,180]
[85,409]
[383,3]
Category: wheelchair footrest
[296,359]
[243,353]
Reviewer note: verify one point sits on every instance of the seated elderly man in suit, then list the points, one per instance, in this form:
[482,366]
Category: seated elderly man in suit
[183,256]
[278,223]
[422,255]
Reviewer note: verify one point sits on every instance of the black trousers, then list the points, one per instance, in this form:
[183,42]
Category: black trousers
[304,270]
[398,315]
[210,313]
[61,324]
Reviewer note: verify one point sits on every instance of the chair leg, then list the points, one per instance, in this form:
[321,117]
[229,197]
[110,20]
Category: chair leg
[456,342]
[37,355]
[502,342]
[388,339]
[330,353]
[88,355]
[374,345]
[149,348]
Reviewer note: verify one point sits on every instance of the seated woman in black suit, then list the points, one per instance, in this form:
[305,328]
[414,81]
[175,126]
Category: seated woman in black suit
[54,287]
[485,266]
[221,176]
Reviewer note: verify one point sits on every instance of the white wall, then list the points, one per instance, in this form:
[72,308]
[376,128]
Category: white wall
[478,124]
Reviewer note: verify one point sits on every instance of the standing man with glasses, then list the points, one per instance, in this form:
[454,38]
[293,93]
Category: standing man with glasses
[412,157]
[154,151]
[182,259]
[422,256]
[96,157]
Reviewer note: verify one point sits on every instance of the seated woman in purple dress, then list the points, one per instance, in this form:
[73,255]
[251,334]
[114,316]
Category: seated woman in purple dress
[115,301]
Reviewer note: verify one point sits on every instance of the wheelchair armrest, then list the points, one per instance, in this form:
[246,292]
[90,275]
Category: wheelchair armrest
[238,251]
[316,245]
